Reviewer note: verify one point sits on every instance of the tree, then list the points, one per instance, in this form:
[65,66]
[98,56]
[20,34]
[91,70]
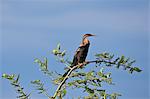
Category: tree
[78,77]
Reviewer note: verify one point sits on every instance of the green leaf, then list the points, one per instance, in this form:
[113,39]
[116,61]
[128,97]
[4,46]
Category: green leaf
[35,81]
[17,78]
[122,59]
[64,92]
[102,70]
[58,46]
[40,92]
[36,60]
[62,60]
[94,83]
[89,90]
[4,75]
[46,63]
[108,75]
[14,84]
[100,74]
[137,69]
[90,74]
[70,83]
[63,53]
[39,88]
[22,97]
[98,55]
[55,51]
[9,77]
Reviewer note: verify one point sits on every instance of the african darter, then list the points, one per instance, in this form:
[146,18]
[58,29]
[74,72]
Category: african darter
[81,52]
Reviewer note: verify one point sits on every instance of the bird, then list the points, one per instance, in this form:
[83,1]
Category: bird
[81,52]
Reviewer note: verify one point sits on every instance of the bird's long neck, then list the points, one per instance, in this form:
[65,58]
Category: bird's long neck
[85,41]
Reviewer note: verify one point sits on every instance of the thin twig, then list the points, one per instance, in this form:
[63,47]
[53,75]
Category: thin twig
[46,94]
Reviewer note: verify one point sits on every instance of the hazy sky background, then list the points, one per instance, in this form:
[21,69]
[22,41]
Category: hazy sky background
[32,28]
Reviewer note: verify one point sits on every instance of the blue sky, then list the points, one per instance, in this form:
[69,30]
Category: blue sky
[32,28]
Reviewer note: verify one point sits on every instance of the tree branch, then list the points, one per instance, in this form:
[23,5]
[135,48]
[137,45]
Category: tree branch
[67,76]
[108,62]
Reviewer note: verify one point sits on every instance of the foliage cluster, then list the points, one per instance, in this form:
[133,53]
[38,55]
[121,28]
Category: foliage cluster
[89,82]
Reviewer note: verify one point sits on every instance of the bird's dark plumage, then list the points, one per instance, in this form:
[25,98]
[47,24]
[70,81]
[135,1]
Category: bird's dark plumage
[81,52]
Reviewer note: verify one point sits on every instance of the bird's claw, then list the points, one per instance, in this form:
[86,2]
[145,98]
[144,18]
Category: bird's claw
[79,65]
[86,62]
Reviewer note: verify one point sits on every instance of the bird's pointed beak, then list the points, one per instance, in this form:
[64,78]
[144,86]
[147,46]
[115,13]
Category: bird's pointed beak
[93,35]
[88,35]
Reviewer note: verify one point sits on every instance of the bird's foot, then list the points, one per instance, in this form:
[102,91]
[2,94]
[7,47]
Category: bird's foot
[86,62]
[80,65]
